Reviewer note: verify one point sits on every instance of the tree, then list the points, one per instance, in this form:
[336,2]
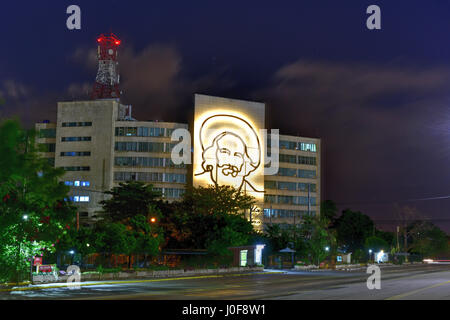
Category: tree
[317,238]
[377,244]
[209,218]
[277,237]
[328,210]
[352,229]
[219,200]
[426,239]
[112,238]
[133,205]
[33,213]
[130,199]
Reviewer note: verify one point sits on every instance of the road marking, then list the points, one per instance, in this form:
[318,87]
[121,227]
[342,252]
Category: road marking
[131,281]
[400,296]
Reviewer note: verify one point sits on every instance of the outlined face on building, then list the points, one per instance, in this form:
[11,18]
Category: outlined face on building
[231,150]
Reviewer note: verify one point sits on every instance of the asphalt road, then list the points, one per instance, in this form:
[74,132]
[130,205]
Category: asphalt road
[397,283]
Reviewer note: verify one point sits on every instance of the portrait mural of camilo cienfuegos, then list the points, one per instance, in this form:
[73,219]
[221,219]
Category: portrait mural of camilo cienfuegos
[231,154]
[229,147]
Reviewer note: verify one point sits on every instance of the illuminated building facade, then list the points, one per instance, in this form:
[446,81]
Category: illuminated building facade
[99,145]
[295,190]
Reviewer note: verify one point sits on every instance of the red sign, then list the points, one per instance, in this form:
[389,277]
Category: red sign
[45,268]
[37,261]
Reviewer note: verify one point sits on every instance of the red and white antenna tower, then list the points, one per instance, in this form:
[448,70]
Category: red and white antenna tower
[107,81]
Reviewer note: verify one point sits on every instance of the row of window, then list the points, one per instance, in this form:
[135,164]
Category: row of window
[47,133]
[292,145]
[79,198]
[299,173]
[143,132]
[294,200]
[72,139]
[144,146]
[76,168]
[291,186]
[77,183]
[173,192]
[77,124]
[146,162]
[76,154]
[289,158]
[285,226]
[283,213]
[170,192]
[150,177]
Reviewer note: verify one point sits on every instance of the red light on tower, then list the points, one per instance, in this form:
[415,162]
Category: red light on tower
[107,81]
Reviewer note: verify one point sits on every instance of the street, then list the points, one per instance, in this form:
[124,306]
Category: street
[397,283]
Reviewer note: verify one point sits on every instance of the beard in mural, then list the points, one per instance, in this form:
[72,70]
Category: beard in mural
[227,158]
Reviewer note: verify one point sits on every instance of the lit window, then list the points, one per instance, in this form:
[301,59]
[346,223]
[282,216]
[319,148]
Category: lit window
[76,183]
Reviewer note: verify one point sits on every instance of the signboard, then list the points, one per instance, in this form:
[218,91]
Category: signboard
[48,268]
[37,261]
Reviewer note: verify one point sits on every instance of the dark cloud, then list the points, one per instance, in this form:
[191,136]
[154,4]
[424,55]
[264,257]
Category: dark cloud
[376,124]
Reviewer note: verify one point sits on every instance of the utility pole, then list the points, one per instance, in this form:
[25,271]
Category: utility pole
[270,214]
[405,241]
[309,199]
[398,244]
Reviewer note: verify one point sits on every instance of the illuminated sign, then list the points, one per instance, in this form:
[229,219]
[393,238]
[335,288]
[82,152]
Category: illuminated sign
[232,151]
[229,147]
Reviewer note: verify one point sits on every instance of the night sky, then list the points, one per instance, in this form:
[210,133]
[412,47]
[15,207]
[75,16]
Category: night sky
[378,99]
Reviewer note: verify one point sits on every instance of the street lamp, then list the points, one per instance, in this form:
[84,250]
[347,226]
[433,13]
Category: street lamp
[370,254]
[72,252]
[327,248]
[25,217]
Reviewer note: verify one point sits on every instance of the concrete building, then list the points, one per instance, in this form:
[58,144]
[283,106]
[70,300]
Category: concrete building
[99,145]
[295,191]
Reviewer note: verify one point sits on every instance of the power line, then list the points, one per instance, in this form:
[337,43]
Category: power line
[394,202]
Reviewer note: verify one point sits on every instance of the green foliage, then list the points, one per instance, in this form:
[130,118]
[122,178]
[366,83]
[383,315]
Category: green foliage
[316,237]
[127,228]
[352,229]
[229,231]
[277,238]
[208,218]
[376,244]
[220,200]
[328,210]
[310,238]
[33,213]
[130,199]
[427,239]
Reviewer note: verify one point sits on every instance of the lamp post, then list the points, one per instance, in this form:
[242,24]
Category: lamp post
[370,254]
[72,253]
